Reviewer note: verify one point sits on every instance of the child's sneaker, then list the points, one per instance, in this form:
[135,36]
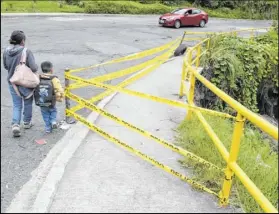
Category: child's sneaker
[47,131]
[27,125]
[16,130]
[54,125]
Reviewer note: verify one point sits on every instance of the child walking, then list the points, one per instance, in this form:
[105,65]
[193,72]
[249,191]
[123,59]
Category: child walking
[46,94]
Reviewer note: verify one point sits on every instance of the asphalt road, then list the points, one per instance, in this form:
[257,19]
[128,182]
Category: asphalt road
[75,42]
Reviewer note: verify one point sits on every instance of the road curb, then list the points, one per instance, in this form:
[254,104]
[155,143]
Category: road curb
[47,191]
[49,173]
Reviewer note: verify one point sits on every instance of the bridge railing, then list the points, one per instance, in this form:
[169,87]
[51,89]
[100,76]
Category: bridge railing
[189,75]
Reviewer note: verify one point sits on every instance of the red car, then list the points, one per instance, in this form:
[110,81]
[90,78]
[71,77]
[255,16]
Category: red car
[182,17]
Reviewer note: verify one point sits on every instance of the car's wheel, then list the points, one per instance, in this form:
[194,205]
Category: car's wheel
[177,24]
[202,23]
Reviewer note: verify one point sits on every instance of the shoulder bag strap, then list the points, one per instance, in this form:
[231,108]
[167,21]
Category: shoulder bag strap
[16,90]
[30,95]
[23,56]
[18,93]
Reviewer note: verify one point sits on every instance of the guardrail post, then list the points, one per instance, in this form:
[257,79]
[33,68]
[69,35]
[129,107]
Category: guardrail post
[190,56]
[192,86]
[191,94]
[68,119]
[236,139]
[208,43]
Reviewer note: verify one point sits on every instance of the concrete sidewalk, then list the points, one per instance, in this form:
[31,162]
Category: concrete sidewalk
[102,177]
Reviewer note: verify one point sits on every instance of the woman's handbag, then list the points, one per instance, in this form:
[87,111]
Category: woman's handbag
[23,76]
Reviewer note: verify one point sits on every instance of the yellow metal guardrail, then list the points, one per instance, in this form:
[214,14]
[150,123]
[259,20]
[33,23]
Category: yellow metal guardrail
[190,73]
[143,70]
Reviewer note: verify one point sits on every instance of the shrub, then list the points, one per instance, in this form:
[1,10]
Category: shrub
[125,7]
[74,2]
[239,67]
[81,4]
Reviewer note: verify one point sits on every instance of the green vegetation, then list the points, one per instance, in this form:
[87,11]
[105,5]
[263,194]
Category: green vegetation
[38,6]
[247,70]
[242,68]
[248,9]
[256,158]
[217,8]
[126,7]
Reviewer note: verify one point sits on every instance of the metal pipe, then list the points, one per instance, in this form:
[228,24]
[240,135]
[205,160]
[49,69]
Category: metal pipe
[68,119]
[251,116]
[253,189]
[235,145]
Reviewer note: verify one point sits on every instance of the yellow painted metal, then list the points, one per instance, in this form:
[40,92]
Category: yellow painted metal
[198,55]
[121,73]
[253,189]
[246,181]
[210,112]
[197,58]
[193,39]
[243,112]
[142,73]
[134,56]
[190,61]
[217,142]
[251,116]
[236,139]
[200,43]
[201,33]
[191,94]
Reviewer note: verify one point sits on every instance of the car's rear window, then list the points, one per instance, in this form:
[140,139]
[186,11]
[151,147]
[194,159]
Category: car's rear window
[179,11]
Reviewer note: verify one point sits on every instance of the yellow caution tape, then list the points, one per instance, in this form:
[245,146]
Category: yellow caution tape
[118,74]
[130,80]
[175,148]
[131,57]
[138,153]
[147,96]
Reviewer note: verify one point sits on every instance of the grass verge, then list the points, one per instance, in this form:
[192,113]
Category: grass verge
[38,7]
[117,7]
[256,158]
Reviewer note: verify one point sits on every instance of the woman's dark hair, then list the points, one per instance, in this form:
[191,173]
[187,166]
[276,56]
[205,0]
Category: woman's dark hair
[17,37]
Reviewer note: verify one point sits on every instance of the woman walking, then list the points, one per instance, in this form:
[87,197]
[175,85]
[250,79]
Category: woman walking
[11,59]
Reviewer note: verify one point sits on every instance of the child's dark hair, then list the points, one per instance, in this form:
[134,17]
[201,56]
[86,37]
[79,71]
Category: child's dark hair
[46,66]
